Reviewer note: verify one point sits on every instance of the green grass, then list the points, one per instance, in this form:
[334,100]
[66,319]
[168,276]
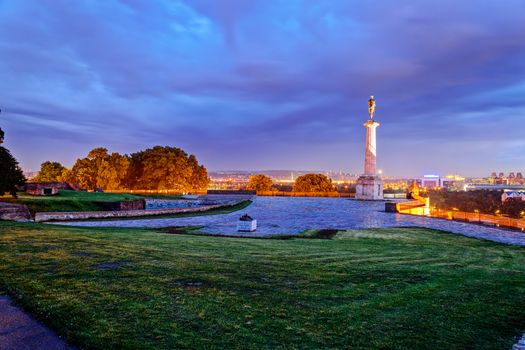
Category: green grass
[68,201]
[402,288]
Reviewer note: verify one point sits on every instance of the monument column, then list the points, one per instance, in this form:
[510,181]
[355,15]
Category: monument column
[370,185]
[370,147]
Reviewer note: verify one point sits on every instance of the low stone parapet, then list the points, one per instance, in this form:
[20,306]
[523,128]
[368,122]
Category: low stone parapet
[14,212]
[86,215]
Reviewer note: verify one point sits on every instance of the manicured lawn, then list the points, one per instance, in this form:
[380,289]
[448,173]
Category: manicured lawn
[68,201]
[404,288]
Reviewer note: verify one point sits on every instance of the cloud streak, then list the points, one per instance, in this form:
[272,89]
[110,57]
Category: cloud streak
[266,84]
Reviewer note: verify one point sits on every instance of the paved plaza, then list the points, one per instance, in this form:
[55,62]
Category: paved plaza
[284,215]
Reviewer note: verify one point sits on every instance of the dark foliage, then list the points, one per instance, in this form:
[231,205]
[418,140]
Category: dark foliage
[11,175]
[487,202]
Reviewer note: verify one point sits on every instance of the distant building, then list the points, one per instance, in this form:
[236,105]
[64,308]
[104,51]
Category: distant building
[46,188]
[511,179]
[520,195]
[430,181]
[449,182]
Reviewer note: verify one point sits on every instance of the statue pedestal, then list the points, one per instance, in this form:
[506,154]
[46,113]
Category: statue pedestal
[369,187]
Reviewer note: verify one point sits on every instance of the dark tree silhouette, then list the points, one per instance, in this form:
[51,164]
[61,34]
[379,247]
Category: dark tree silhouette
[11,176]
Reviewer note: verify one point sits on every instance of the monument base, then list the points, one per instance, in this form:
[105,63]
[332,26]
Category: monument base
[369,187]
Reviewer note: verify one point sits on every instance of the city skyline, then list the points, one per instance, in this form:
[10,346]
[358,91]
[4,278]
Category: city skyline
[267,84]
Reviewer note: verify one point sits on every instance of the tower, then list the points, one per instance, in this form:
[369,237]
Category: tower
[370,185]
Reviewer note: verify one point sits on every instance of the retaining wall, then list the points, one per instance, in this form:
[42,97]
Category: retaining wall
[71,216]
[14,212]
[305,194]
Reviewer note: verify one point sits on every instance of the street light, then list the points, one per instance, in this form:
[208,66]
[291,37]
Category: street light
[477,212]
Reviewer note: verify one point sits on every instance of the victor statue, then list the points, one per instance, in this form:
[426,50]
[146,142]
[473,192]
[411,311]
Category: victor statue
[371,107]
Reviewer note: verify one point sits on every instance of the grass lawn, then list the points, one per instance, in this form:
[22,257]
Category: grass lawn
[68,201]
[403,288]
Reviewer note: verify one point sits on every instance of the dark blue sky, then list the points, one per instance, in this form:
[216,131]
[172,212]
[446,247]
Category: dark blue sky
[268,84]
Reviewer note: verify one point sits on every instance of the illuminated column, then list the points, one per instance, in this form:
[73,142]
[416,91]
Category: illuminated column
[369,186]
[370,147]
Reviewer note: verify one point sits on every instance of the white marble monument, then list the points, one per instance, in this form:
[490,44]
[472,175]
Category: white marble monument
[370,185]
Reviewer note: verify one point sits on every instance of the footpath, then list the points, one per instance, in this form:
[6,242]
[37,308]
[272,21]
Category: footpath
[19,331]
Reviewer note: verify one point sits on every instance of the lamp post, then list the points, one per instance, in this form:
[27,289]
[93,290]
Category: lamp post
[496,213]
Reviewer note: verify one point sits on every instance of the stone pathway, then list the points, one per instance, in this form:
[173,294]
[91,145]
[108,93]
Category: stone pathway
[19,331]
[281,215]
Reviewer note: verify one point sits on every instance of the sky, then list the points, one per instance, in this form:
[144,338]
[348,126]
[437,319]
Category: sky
[268,84]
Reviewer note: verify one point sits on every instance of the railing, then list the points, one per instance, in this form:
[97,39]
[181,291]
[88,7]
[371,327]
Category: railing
[304,194]
[456,215]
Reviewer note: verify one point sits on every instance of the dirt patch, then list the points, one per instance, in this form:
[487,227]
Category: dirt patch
[173,229]
[326,234]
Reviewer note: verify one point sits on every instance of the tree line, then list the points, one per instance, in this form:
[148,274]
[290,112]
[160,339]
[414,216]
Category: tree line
[157,168]
[304,183]
[483,201]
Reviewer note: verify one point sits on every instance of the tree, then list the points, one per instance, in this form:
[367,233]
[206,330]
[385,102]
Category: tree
[49,171]
[260,183]
[11,175]
[166,168]
[157,168]
[199,179]
[313,183]
[85,173]
[112,172]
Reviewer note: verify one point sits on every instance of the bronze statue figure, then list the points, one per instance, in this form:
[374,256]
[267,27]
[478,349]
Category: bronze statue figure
[371,107]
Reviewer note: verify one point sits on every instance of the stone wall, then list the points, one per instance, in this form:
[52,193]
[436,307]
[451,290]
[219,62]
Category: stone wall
[138,204]
[39,188]
[72,216]
[14,212]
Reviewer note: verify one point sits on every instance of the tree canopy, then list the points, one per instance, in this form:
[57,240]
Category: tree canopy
[313,183]
[260,182]
[157,168]
[161,168]
[11,174]
[49,171]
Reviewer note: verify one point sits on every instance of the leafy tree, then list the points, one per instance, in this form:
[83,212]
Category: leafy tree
[11,175]
[156,168]
[67,176]
[160,168]
[112,172]
[199,179]
[85,173]
[313,183]
[49,171]
[513,207]
[260,182]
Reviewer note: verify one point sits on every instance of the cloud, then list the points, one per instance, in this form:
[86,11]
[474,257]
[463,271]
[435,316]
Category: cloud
[238,82]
